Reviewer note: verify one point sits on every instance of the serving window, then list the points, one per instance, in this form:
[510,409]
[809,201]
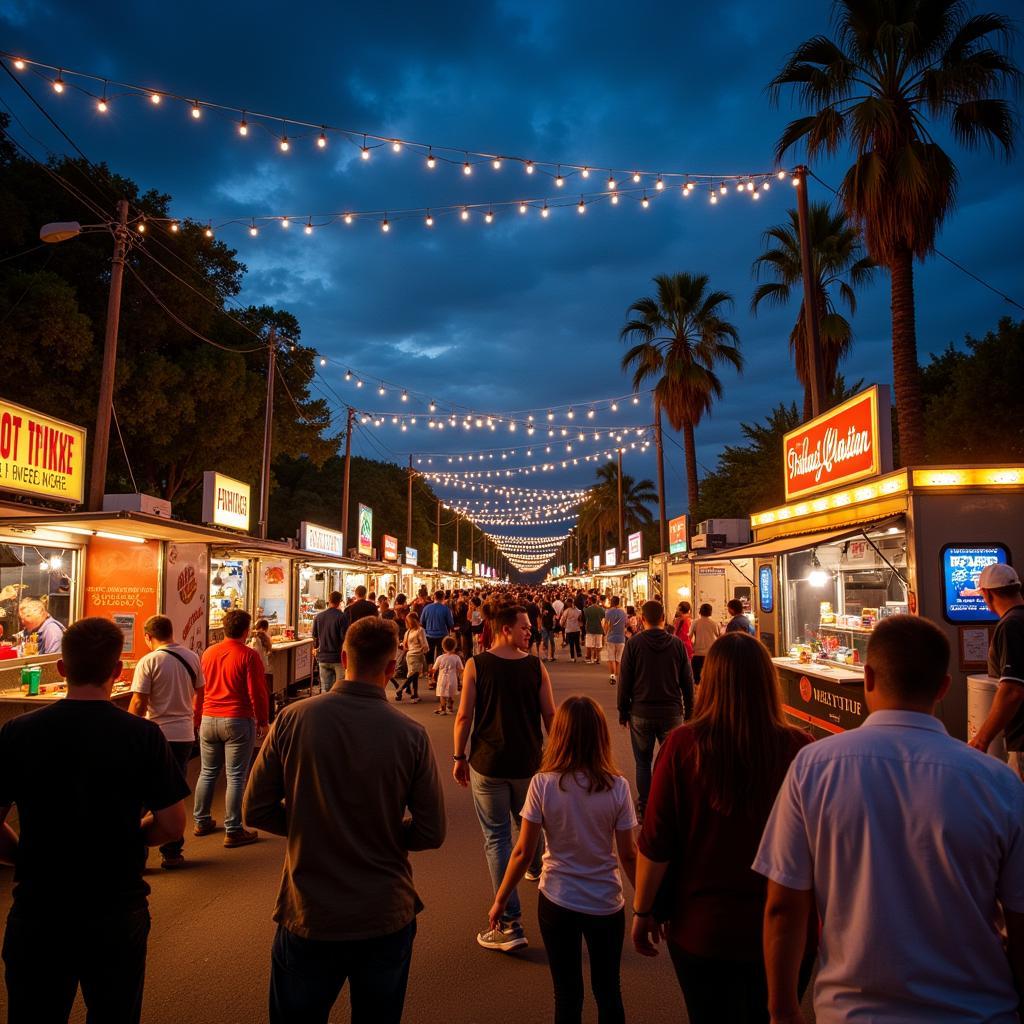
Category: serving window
[44,572]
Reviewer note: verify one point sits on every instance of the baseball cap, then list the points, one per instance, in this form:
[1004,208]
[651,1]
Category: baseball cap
[997,575]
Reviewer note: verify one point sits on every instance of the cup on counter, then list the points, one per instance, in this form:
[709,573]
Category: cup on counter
[30,677]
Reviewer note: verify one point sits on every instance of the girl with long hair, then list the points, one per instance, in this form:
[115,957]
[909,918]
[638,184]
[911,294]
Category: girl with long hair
[582,803]
[713,788]
[415,646]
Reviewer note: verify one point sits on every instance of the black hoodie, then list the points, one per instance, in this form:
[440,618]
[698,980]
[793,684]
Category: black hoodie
[655,678]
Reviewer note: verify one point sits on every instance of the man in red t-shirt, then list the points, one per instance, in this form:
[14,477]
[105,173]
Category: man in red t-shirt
[231,716]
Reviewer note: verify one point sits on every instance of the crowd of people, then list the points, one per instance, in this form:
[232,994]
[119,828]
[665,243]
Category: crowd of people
[889,858]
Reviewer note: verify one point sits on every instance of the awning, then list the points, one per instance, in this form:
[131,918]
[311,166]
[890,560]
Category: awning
[797,541]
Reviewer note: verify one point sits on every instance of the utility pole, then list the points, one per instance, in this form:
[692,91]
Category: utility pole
[439,532]
[104,411]
[348,466]
[621,531]
[408,510]
[810,295]
[268,431]
[457,518]
[662,524]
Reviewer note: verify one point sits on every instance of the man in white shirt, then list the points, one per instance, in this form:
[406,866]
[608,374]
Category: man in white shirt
[167,688]
[905,842]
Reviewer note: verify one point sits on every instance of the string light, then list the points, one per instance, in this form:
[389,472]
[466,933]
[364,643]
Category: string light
[309,227]
[431,162]
[581,206]
[645,202]
[559,180]
[545,210]
[243,127]
[58,83]
[196,112]
[253,230]
[322,140]
[467,167]
[489,216]
[496,163]
[284,222]
[522,207]
[174,227]
[19,64]
[284,144]
[396,146]
[465,213]
[385,226]
[101,105]
[429,220]
[154,98]
[659,184]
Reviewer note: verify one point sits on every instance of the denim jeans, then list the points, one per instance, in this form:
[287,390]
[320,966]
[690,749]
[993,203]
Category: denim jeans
[46,959]
[547,642]
[181,751]
[224,743]
[643,732]
[307,976]
[497,802]
[330,673]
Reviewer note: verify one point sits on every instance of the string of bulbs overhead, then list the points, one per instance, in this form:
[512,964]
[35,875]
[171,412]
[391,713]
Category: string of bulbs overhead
[287,132]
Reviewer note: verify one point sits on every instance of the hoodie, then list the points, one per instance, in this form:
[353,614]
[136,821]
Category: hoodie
[655,678]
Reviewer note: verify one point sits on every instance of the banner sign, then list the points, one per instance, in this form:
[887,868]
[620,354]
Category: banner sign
[847,443]
[636,546]
[468,567]
[320,539]
[435,556]
[455,561]
[225,501]
[677,536]
[961,567]
[411,556]
[597,562]
[365,530]
[609,556]
[390,546]
[41,456]
[186,593]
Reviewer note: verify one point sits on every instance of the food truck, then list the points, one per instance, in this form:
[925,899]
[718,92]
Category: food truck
[857,541]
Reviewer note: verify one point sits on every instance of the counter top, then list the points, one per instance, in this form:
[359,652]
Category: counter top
[285,645]
[832,674]
[17,697]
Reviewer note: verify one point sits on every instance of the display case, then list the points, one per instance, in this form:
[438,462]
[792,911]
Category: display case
[230,586]
[835,594]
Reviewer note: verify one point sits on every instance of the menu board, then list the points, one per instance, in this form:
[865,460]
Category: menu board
[961,565]
[365,530]
[677,535]
[636,546]
[390,545]
[273,591]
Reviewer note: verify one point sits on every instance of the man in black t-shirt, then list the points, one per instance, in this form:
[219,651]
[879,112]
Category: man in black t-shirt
[1000,586]
[94,786]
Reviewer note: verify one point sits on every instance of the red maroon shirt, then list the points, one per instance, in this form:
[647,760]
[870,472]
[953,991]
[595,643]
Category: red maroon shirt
[717,905]
[236,685]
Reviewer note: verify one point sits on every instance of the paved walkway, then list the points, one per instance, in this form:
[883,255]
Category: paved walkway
[209,951]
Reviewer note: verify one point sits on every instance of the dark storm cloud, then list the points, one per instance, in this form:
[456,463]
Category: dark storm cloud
[524,313]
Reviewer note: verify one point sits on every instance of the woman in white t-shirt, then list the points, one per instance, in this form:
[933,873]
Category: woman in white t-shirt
[584,806]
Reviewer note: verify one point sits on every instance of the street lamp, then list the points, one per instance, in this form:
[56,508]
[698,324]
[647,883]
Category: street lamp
[61,231]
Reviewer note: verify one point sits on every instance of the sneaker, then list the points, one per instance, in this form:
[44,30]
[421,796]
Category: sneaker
[439,711]
[532,876]
[205,829]
[243,837]
[508,937]
[172,862]
[414,700]
[611,679]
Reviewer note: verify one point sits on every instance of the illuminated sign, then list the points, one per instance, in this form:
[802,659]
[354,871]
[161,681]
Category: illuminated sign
[390,545]
[455,561]
[596,564]
[961,567]
[435,556]
[468,567]
[609,556]
[847,443]
[766,588]
[636,546]
[225,501]
[320,539]
[677,535]
[41,456]
[365,530]
[411,554]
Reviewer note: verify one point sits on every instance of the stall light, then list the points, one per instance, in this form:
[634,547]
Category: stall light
[56,563]
[119,536]
[817,578]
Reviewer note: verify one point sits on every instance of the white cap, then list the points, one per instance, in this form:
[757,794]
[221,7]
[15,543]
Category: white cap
[997,575]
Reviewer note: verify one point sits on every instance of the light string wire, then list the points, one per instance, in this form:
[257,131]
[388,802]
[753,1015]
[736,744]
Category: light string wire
[278,126]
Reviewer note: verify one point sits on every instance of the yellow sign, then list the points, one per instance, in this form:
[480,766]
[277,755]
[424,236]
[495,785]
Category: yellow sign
[41,456]
[435,555]
[225,501]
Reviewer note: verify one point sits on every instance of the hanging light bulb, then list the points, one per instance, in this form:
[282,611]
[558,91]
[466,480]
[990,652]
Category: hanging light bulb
[19,64]
[174,226]
[544,210]
[585,172]
[765,185]
[365,151]
[141,227]
[750,186]
[396,146]
[559,180]
[253,230]
[430,220]
[465,213]
[489,217]
[496,163]
[659,184]
[714,198]
[208,231]
[615,199]
[154,98]
[385,226]
[101,105]
[58,83]
[781,175]
[796,180]
[522,207]
[243,126]
[348,218]
[359,383]
[431,161]
[755,195]
[636,177]
[529,167]
[323,362]
[551,415]
[309,227]
[284,144]
[645,202]
[686,191]
[348,375]
[381,391]
[322,139]
[433,407]
[467,167]
[196,112]
[284,222]
[615,407]
[739,186]
[722,189]
[636,399]
[405,396]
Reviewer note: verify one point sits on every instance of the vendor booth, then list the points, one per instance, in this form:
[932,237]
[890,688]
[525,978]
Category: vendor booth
[857,542]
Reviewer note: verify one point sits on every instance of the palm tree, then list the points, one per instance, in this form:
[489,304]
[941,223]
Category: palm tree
[896,71]
[837,263]
[599,514]
[682,335]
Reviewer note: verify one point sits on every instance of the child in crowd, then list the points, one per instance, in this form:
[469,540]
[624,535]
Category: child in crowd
[260,642]
[415,646]
[447,670]
[583,805]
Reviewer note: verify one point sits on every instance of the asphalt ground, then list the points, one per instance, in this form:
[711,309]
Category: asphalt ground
[209,949]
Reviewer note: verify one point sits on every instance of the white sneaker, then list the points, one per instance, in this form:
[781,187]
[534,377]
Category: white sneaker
[507,938]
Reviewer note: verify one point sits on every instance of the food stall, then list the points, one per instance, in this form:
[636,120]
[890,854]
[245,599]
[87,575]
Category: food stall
[858,541]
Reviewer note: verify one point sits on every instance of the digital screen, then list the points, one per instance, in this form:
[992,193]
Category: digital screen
[961,567]
[766,588]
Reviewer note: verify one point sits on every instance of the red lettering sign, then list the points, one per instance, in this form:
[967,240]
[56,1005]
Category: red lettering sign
[848,443]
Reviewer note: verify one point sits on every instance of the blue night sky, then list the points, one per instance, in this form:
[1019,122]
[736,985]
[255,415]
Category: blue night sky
[524,313]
